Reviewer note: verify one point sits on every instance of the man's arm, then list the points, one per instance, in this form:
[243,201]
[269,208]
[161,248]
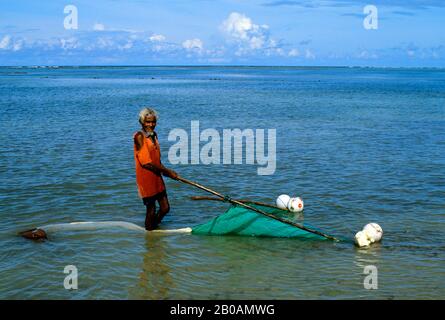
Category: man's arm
[160,170]
[139,141]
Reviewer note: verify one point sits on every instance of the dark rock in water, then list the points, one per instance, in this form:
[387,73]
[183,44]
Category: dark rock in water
[34,234]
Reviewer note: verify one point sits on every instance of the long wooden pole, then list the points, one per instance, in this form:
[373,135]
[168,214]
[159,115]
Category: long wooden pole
[254,209]
[240,200]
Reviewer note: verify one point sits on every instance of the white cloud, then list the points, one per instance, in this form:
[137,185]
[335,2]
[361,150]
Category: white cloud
[157,48]
[126,46]
[294,53]
[367,55]
[98,27]
[17,45]
[309,54]
[256,42]
[192,44]
[280,52]
[104,42]
[4,43]
[157,37]
[134,36]
[7,43]
[273,48]
[70,43]
[240,28]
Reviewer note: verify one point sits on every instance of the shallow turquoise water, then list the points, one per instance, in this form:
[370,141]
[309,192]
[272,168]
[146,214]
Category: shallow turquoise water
[358,145]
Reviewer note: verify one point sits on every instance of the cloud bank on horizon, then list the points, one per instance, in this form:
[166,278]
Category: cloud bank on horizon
[281,32]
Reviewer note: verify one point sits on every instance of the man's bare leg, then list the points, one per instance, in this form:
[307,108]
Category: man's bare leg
[150,217]
[164,208]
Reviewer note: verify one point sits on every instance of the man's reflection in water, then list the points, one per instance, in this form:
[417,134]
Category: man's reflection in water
[155,281]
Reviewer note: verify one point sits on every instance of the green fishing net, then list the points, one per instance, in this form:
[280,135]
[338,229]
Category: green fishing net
[238,220]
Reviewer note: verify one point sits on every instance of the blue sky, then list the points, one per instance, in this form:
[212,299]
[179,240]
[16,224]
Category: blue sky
[410,33]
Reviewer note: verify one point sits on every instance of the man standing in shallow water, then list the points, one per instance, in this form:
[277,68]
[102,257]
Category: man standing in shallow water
[149,169]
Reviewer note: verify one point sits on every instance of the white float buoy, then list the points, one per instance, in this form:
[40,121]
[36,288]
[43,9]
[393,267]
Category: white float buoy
[282,201]
[361,239]
[371,233]
[295,204]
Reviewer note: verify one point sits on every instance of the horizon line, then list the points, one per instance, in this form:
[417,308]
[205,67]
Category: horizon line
[216,66]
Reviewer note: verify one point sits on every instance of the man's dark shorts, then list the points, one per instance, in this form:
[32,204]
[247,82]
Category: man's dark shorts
[150,201]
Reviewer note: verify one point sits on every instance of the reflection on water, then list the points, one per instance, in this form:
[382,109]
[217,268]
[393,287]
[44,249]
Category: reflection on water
[155,280]
[366,256]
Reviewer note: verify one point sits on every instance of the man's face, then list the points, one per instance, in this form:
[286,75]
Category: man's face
[149,123]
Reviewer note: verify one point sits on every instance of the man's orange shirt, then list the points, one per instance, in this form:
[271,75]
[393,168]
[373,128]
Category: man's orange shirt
[149,183]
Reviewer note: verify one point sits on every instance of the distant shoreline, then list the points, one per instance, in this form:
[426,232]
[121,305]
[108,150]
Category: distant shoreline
[215,66]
